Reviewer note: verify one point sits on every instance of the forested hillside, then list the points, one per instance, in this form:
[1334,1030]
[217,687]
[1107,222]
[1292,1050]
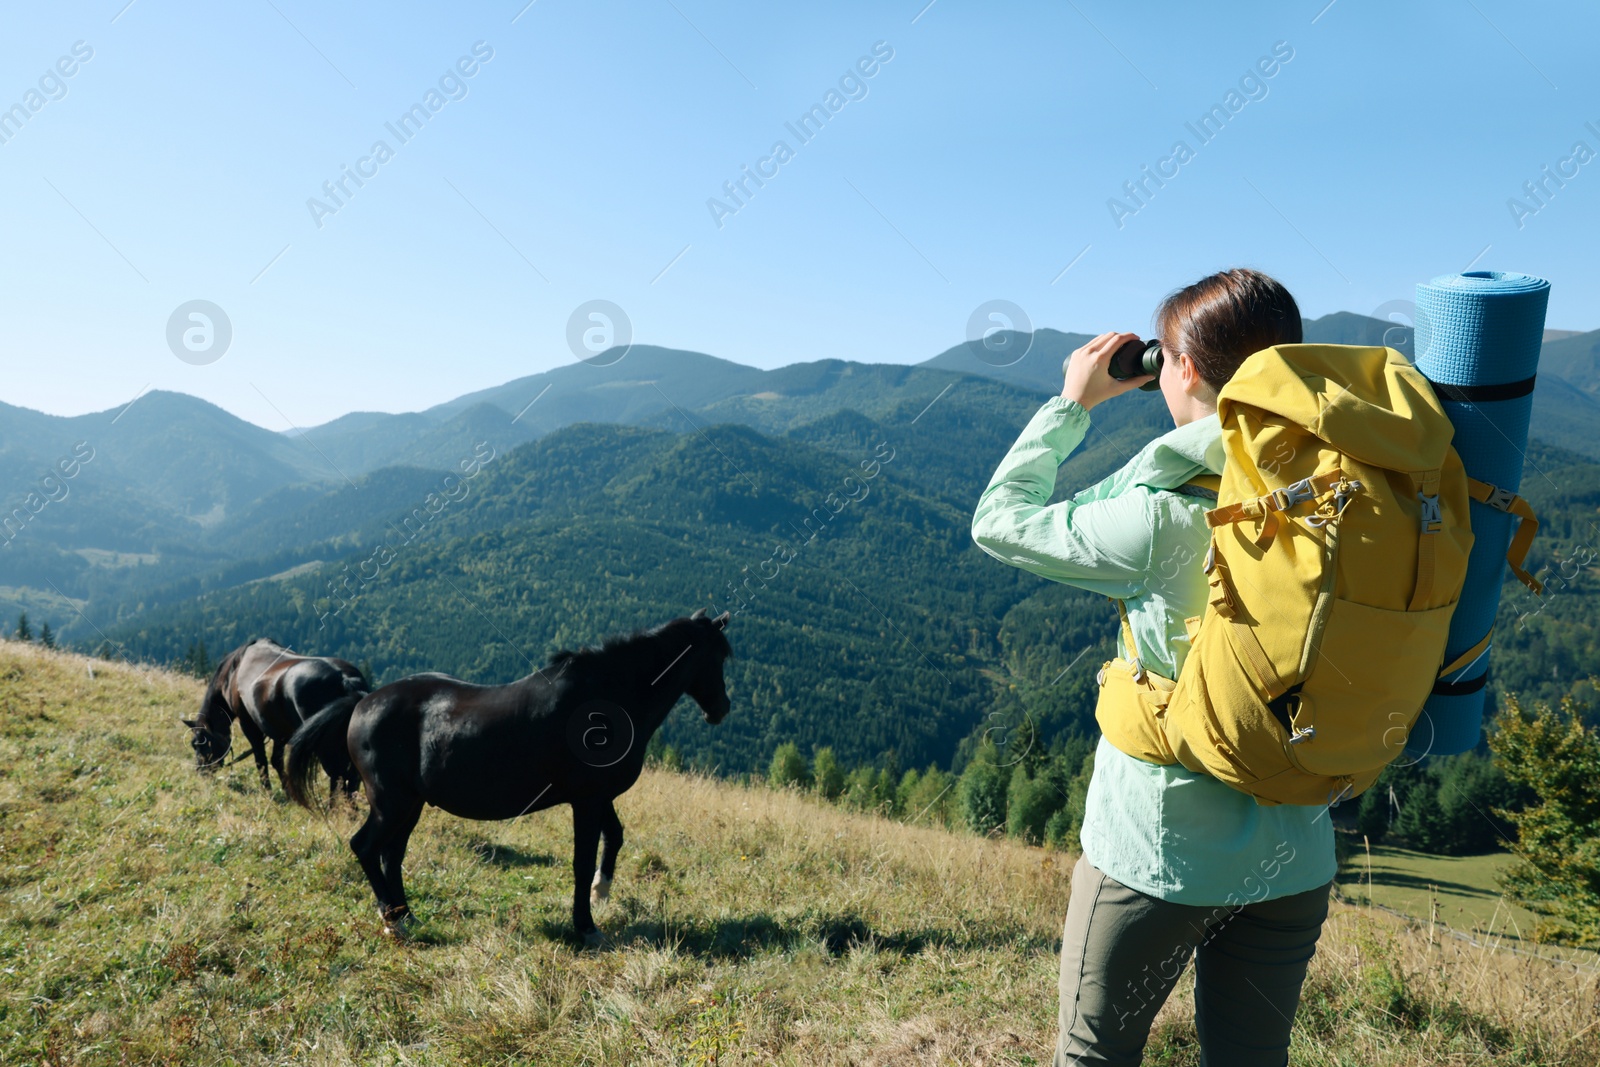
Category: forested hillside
[865,617]
[826,503]
[874,629]
[1549,647]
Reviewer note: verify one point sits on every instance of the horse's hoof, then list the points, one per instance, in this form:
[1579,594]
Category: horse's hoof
[594,939]
[600,890]
[397,923]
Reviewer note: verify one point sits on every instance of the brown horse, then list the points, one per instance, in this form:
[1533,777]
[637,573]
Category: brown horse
[271,691]
[574,733]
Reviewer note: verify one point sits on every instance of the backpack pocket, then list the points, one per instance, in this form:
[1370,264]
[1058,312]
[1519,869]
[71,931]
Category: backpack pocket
[1130,710]
[1217,721]
[1371,670]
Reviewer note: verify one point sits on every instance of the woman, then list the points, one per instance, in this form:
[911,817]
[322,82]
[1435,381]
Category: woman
[1174,863]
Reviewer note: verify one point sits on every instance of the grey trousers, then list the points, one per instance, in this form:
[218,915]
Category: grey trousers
[1122,952]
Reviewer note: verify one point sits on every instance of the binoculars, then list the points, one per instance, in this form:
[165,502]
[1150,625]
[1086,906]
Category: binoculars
[1134,359]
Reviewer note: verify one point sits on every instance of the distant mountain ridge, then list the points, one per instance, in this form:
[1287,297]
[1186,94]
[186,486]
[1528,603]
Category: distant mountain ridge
[182,496]
[649,385]
[1035,360]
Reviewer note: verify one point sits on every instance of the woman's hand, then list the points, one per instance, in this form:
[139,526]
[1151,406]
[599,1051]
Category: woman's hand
[1089,380]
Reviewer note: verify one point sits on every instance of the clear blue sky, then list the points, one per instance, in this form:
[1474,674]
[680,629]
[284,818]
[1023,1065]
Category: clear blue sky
[978,165]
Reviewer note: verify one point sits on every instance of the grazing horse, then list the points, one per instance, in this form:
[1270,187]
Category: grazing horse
[271,691]
[572,733]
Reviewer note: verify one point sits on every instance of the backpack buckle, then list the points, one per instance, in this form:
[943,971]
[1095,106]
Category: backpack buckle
[1432,518]
[1290,495]
[1332,511]
[1500,499]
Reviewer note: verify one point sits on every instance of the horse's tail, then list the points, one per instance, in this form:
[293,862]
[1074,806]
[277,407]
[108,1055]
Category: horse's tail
[324,732]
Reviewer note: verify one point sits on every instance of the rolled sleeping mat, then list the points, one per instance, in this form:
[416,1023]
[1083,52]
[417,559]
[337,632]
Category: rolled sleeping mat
[1477,340]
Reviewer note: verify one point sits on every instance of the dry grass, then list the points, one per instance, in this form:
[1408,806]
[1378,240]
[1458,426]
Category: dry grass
[151,915]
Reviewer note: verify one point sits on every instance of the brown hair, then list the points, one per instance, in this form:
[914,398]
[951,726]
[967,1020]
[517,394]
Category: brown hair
[1221,320]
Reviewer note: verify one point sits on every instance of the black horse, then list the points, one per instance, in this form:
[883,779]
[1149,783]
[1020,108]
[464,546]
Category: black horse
[271,691]
[573,733]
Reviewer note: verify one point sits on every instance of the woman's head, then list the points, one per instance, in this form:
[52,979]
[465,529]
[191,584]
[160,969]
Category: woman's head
[1211,327]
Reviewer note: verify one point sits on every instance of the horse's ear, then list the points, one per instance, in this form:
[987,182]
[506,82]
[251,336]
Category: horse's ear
[699,613]
[723,620]
[190,723]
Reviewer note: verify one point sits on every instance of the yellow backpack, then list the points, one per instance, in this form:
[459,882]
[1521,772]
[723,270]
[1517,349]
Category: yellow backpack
[1339,547]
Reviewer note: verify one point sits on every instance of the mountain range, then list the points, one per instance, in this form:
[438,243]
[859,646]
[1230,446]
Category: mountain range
[616,496]
[175,464]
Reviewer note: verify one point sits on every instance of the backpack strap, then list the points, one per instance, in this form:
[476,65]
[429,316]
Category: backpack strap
[1509,502]
[1127,640]
[1268,506]
[1205,486]
[1427,484]
[1470,656]
[1516,555]
[1461,663]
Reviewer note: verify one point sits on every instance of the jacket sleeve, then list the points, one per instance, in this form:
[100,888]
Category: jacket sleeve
[1100,540]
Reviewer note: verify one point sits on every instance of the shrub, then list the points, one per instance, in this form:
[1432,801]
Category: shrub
[983,791]
[932,799]
[1031,800]
[827,774]
[861,789]
[788,767]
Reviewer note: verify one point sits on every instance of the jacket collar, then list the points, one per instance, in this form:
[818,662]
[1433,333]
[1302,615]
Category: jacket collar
[1179,455]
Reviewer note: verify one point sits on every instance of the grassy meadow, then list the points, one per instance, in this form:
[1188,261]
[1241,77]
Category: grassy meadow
[152,915]
[1464,888]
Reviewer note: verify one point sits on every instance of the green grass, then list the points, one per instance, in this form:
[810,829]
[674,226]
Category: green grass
[1465,887]
[1465,890]
[152,915]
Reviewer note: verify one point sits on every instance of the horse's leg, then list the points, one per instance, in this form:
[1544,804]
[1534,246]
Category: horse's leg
[277,764]
[380,845]
[588,817]
[611,828]
[341,780]
[252,733]
[393,853]
[334,779]
[366,844]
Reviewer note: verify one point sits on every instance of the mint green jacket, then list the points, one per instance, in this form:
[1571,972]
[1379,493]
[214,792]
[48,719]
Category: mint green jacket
[1165,831]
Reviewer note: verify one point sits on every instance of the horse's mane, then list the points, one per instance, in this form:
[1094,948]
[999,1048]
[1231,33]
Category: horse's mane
[590,657]
[215,697]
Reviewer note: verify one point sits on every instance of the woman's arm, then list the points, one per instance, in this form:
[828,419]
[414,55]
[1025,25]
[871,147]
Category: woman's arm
[1103,545]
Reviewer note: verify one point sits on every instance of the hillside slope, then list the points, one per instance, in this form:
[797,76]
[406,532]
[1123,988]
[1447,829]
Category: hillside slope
[149,914]
[601,529]
[1575,357]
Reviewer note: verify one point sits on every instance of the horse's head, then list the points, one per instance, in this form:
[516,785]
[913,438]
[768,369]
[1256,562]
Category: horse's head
[212,729]
[210,745]
[706,686]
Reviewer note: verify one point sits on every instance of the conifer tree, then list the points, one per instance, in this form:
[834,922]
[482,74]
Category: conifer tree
[1557,870]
